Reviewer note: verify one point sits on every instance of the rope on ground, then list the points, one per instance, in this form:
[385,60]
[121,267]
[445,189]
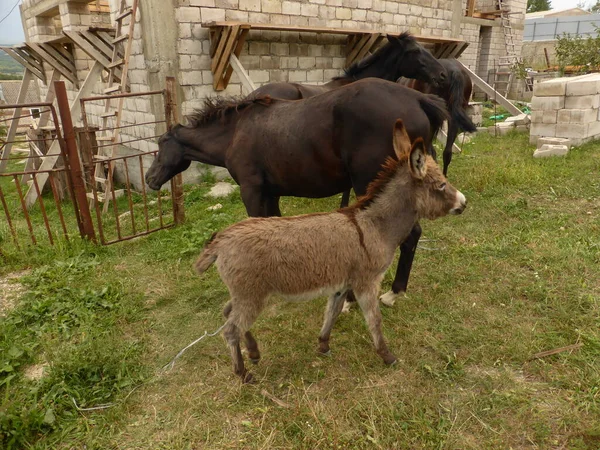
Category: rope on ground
[164,369]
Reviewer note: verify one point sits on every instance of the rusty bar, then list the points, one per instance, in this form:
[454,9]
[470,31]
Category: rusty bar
[43,209]
[142,233]
[57,203]
[7,214]
[27,105]
[114,199]
[129,195]
[159,204]
[24,115]
[105,97]
[30,172]
[144,192]
[133,125]
[171,118]
[25,212]
[129,141]
[98,214]
[87,226]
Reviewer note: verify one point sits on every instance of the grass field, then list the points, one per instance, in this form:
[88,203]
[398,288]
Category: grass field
[517,274]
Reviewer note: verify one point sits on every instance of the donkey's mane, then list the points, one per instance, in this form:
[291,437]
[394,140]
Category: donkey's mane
[376,57]
[217,108]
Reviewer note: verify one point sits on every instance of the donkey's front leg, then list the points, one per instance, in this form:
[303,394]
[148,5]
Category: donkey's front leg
[334,307]
[367,299]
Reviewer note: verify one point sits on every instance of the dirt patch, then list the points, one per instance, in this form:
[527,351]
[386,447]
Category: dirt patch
[35,372]
[10,291]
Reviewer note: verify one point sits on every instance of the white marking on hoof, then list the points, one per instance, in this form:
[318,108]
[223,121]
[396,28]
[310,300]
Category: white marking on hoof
[346,307]
[389,298]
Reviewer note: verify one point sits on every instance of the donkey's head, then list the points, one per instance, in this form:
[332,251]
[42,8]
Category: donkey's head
[434,195]
[170,160]
[414,61]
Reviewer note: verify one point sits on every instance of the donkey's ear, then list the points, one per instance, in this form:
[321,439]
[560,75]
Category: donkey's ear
[418,164]
[401,139]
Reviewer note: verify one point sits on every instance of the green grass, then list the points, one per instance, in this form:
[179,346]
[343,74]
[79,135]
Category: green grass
[515,275]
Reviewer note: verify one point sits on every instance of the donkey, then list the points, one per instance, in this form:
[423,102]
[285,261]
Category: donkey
[303,257]
[401,56]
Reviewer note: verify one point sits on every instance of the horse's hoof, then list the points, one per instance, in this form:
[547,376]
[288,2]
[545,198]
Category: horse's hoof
[390,360]
[325,353]
[254,360]
[248,378]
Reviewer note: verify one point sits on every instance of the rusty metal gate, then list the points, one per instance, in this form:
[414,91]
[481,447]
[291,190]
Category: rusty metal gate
[47,202]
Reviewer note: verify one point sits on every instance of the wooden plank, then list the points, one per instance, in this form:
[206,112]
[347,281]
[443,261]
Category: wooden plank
[236,53]
[30,56]
[54,151]
[215,37]
[351,56]
[97,42]
[224,59]
[242,74]
[50,96]
[371,43]
[14,124]
[54,63]
[87,48]
[64,53]
[470,8]
[494,95]
[443,138]
[219,50]
[17,57]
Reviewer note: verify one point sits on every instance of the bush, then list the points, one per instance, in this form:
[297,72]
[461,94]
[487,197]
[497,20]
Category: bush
[579,52]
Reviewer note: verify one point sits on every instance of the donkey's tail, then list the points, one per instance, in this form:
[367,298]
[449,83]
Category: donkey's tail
[435,109]
[207,257]
[456,99]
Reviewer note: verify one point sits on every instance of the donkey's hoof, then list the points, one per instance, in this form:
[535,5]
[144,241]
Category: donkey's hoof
[255,360]
[390,360]
[346,307]
[325,352]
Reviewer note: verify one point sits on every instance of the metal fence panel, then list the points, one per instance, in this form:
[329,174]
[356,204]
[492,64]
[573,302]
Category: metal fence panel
[546,29]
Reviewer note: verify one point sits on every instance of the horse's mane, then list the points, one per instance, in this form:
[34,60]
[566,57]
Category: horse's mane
[380,54]
[217,108]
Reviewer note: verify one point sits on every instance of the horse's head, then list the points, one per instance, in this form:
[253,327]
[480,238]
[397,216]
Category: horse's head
[414,61]
[169,161]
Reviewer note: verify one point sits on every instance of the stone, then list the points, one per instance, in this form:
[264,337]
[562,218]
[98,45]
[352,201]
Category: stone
[521,119]
[221,189]
[554,141]
[551,150]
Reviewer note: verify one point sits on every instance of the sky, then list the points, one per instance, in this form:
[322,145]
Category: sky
[11,29]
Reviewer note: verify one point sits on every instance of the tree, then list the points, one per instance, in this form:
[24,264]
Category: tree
[538,5]
[595,8]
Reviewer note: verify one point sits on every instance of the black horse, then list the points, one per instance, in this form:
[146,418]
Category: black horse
[456,91]
[401,56]
[314,148]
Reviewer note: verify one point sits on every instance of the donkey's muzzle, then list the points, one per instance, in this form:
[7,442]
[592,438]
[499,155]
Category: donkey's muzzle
[461,204]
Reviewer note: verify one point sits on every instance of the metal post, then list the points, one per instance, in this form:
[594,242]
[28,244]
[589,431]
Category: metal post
[171,119]
[86,226]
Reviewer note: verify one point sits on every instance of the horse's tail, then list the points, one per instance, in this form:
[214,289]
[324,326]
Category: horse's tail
[456,99]
[435,110]
[208,255]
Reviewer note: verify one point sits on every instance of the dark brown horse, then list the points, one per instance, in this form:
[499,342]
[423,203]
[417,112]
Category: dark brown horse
[401,56]
[457,92]
[315,148]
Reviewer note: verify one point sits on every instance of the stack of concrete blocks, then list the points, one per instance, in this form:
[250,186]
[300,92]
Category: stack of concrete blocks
[566,110]
[475,113]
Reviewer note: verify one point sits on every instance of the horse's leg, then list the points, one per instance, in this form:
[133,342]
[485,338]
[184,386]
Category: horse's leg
[254,199]
[452,133]
[272,206]
[367,299]
[251,344]
[332,311]
[345,199]
[407,254]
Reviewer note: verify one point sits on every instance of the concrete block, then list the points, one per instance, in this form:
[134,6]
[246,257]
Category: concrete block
[550,116]
[188,14]
[564,115]
[550,88]
[545,103]
[581,102]
[503,128]
[584,85]
[543,129]
[583,115]
[212,14]
[522,128]
[553,141]
[482,130]
[593,129]
[571,130]
[533,139]
[537,116]
[521,119]
[550,150]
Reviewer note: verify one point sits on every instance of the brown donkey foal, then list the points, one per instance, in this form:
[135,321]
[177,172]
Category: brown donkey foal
[307,256]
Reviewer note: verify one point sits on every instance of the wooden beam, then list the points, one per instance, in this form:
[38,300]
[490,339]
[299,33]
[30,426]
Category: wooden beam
[242,74]
[14,124]
[54,151]
[50,96]
[470,8]
[54,63]
[493,94]
[371,43]
[88,48]
[97,42]
[353,52]
[17,57]
[224,57]
[236,53]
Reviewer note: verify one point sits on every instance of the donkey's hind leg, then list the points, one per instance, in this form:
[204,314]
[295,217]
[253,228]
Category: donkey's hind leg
[367,299]
[251,344]
[232,332]
[332,311]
